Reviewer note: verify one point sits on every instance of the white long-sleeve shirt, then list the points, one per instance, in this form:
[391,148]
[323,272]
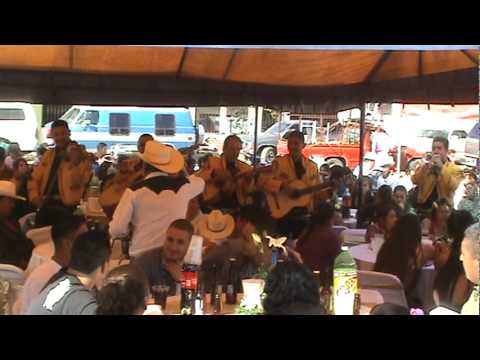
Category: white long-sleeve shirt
[150,206]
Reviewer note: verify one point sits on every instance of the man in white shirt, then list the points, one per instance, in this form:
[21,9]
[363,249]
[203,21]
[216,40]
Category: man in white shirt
[64,232]
[148,207]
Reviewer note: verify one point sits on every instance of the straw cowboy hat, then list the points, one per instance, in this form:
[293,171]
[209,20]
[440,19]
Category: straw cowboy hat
[163,157]
[7,189]
[216,225]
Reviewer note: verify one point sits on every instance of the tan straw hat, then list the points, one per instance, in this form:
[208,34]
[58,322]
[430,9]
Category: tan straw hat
[163,157]
[216,225]
[7,188]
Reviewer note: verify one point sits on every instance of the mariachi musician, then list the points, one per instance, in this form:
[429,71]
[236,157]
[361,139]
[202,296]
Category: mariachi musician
[288,170]
[231,183]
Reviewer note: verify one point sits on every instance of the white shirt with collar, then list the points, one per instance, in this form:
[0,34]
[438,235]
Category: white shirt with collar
[151,214]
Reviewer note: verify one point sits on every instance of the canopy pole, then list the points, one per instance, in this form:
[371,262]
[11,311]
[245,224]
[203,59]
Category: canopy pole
[255,137]
[362,144]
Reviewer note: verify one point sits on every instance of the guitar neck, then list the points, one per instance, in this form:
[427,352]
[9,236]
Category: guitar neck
[315,188]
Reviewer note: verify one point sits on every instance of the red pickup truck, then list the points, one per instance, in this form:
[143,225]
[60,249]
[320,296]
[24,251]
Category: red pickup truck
[346,150]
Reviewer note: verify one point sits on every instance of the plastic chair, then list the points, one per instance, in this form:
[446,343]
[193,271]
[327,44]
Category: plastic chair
[389,286]
[12,274]
[12,280]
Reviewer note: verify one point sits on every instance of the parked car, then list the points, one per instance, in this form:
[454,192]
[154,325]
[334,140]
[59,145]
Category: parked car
[90,125]
[18,124]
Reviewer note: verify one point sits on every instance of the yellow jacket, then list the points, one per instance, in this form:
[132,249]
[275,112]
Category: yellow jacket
[446,184]
[72,179]
[210,193]
[283,169]
[114,189]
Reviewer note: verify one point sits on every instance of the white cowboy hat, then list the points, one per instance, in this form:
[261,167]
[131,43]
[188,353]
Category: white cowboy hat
[163,157]
[384,160]
[216,225]
[7,188]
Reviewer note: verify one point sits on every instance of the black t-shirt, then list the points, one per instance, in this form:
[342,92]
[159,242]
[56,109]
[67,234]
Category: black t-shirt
[52,183]
[64,296]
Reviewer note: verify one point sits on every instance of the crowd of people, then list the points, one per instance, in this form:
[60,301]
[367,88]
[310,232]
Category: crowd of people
[156,202]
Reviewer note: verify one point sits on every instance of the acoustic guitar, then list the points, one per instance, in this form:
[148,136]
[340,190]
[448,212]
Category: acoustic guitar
[225,183]
[282,203]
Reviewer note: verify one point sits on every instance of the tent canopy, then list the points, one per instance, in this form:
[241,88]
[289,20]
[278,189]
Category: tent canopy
[328,78]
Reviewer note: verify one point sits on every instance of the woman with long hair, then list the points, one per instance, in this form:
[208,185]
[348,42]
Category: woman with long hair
[367,213]
[386,216]
[451,287]
[436,226]
[402,255]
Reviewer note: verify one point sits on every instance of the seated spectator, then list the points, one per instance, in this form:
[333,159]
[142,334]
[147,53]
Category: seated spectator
[64,233]
[14,153]
[125,291]
[436,226]
[471,200]
[15,248]
[367,193]
[368,165]
[320,245]
[291,289]
[5,172]
[383,174]
[385,220]
[367,213]
[469,177]
[216,229]
[69,292]
[402,255]
[163,266]
[242,246]
[451,288]
[471,258]
[325,173]
[401,199]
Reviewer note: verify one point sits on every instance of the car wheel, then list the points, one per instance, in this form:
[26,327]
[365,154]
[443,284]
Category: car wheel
[268,155]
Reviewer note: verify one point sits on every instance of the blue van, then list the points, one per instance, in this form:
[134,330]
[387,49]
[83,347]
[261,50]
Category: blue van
[90,125]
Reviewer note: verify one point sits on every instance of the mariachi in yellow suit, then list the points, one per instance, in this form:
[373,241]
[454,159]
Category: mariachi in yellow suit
[242,186]
[283,170]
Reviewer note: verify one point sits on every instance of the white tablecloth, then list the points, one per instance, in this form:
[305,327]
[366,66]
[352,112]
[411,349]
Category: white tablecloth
[354,236]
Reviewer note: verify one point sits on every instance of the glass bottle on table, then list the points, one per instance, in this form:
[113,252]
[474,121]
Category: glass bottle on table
[217,303]
[213,289]
[231,290]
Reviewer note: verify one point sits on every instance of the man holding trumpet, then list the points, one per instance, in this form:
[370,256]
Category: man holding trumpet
[437,178]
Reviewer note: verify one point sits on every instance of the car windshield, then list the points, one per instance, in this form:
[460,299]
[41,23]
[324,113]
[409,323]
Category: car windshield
[475,132]
[277,128]
[432,133]
[70,114]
